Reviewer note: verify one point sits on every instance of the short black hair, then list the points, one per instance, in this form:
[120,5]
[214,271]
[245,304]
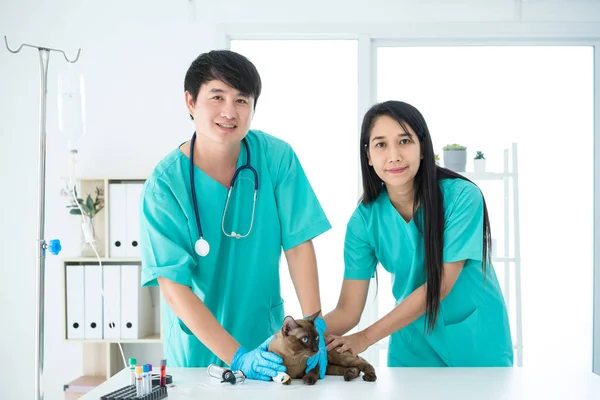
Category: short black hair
[227,66]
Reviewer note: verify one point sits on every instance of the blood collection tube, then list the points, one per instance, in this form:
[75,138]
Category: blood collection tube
[145,380]
[138,381]
[163,372]
[132,362]
[150,378]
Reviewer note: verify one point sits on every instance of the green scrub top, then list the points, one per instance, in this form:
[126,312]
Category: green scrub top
[239,279]
[472,328]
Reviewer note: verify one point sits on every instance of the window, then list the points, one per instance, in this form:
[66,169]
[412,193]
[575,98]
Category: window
[309,99]
[542,99]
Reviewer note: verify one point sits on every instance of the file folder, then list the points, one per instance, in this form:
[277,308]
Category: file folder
[75,302]
[117,201]
[93,301]
[124,218]
[136,304]
[132,245]
[112,301]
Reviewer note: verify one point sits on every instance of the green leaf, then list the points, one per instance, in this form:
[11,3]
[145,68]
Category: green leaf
[90,203]
[75,211]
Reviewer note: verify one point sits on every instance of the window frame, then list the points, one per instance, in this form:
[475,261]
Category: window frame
[444,34]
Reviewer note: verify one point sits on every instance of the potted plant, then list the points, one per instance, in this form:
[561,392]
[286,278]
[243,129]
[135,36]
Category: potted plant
[88,209]
[455,157]
[479,162]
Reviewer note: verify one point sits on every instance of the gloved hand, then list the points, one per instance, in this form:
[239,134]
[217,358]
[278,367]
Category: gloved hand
[321,357]
[259,363]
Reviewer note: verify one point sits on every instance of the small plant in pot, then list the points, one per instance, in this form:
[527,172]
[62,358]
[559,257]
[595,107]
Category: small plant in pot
[479,162]
[455,157]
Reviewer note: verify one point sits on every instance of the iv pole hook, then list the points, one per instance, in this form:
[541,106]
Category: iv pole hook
[41,48]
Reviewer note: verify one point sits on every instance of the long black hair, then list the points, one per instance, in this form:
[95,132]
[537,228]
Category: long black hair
[427,195]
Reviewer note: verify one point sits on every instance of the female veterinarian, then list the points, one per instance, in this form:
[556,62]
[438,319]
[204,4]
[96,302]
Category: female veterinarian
[216,213]
[429,228]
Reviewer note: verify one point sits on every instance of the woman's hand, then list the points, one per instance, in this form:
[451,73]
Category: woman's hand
[355,343]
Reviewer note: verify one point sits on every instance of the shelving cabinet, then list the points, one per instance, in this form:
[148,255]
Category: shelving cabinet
[102,357]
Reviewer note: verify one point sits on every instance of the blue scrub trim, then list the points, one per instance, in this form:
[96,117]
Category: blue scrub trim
[307,234]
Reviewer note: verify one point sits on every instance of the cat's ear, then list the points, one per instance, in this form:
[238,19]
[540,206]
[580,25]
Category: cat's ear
[289,323]
[312,318]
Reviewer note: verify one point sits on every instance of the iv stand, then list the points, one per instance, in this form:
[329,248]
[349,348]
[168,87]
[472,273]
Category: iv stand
[53,245]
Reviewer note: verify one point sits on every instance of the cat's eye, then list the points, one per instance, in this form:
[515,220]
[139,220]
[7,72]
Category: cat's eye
[305,339]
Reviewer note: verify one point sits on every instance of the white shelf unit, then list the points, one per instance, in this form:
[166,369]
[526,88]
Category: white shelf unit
[102,357]
[511,261]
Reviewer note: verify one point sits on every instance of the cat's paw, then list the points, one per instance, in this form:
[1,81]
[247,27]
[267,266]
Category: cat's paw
[351,373]
[370,377]
[309,379]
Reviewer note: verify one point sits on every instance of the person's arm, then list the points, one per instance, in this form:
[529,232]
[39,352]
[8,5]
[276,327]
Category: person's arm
[197,317]
[405,313]
[413,306]
[168,261]
[302,265]
[349,308]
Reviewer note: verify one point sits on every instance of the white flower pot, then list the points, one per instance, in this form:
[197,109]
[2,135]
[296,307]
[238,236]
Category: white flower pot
[455,160]
[479,165]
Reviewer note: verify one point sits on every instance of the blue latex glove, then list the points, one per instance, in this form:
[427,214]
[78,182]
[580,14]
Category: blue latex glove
[259,363]
[321,357]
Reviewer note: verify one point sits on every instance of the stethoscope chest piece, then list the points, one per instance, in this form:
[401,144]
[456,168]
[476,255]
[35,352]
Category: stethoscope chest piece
[202,247]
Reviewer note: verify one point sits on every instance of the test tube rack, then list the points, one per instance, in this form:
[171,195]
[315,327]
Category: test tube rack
[129,393]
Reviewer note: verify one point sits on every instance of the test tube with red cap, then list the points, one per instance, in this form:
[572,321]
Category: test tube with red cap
[163,372]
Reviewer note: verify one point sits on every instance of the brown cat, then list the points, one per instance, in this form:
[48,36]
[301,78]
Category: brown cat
[298,340]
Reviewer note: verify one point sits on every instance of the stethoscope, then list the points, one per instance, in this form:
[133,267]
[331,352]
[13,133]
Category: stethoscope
[201,246]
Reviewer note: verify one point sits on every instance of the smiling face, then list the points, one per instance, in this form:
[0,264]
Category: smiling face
[394,152]
[221,113]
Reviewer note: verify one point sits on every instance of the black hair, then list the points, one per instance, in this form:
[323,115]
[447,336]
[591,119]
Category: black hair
[225,65]
[427,195]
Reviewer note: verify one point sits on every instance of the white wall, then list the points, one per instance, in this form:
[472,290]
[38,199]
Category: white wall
[596,240]
[135,55]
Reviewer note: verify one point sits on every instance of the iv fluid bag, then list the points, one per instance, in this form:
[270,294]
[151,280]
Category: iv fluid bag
[71,106]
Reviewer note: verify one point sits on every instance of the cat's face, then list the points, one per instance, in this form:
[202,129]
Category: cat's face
[301,335]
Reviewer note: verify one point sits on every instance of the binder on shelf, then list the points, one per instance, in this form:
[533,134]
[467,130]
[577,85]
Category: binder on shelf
[124,211]
[75,302]
[112,301]
[136,304]
[117,198]
[93,301]
[132,243]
